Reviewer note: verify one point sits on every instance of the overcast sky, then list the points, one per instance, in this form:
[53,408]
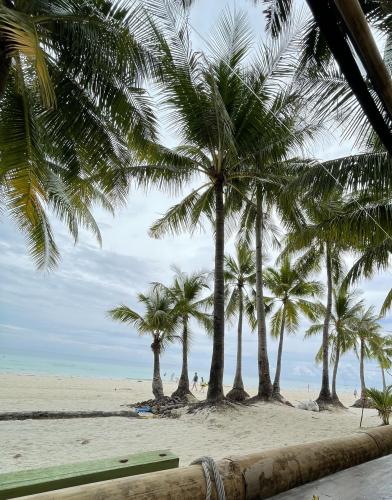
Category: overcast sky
[61,315]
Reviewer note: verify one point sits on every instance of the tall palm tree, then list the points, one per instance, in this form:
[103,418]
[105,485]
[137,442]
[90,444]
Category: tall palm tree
[342,331]
[276,164]
[368,330]
[158,321]
[71,103]
[382,351]
[240,277]
[291,288]
[220,107]
[321,247]
[186,294]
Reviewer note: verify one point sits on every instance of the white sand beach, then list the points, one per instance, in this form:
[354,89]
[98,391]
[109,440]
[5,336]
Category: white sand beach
[30,444]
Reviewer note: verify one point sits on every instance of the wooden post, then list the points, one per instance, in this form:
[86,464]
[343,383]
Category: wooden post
[17,484]
[250,477]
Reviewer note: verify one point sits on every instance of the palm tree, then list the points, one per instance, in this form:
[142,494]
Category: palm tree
[382,351]
[276,165]
[367,329]
[186,295]
[240,277]
[220,108]
[158,320]
[342,331]
[70,106]
[291,288]
[320,246]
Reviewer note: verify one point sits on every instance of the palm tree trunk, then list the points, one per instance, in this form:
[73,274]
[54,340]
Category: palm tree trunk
[183,383]
[238,382]
[384,384]
[265,386]
[325,393]
[334,374]
[215,385]
[276,387]
[362,369]
[238,392]
[157,387]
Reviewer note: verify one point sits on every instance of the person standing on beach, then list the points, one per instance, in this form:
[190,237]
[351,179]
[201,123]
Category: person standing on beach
[195,379]
[203,384]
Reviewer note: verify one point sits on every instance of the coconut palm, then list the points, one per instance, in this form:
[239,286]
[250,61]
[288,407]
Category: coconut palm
[382,351]
[220,107]
[362,221]
[188,302]
[240,277]
[70,106]
[291,288]
[269,194]
[276,164]
[320,247]
[342,333]
[367,330]
[158,321]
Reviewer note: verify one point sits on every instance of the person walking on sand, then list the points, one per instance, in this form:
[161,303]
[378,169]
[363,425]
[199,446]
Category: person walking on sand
[203,384]
[195,379]
[355,393]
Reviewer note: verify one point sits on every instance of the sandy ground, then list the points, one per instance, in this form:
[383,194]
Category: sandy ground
[30,444]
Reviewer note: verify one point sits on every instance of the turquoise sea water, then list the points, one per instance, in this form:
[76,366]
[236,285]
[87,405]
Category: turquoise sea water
[73,367]
[54,365]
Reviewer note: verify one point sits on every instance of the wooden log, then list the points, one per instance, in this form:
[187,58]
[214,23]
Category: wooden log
[28,482]
[250,477]
[47,415]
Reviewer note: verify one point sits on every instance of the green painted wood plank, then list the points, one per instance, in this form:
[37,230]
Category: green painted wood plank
[16,484]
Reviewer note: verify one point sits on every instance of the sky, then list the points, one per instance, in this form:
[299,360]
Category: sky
[61,315]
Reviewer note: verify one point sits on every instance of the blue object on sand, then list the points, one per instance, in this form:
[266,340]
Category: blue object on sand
[143,409]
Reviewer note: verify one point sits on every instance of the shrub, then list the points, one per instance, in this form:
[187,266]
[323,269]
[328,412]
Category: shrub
[382,402]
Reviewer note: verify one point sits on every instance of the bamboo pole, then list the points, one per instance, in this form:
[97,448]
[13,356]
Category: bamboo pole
[250,477]
[328,22]
[367,49]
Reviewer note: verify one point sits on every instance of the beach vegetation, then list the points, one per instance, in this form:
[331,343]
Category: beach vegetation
[345,310]
[189,302]
[381,401]
[220,109]
[69,112]
[292,291]
[158,320]
[240,278]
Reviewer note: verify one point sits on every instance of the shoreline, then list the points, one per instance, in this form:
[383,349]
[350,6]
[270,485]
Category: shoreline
[67,375]
[313,387]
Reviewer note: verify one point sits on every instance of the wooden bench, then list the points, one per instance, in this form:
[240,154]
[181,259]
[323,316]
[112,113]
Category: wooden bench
[17,484]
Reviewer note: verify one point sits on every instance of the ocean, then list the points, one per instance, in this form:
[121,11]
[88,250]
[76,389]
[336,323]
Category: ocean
[33,364]
[55,365]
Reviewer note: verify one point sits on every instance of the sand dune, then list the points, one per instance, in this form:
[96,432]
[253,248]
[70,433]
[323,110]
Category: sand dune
[28,444]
